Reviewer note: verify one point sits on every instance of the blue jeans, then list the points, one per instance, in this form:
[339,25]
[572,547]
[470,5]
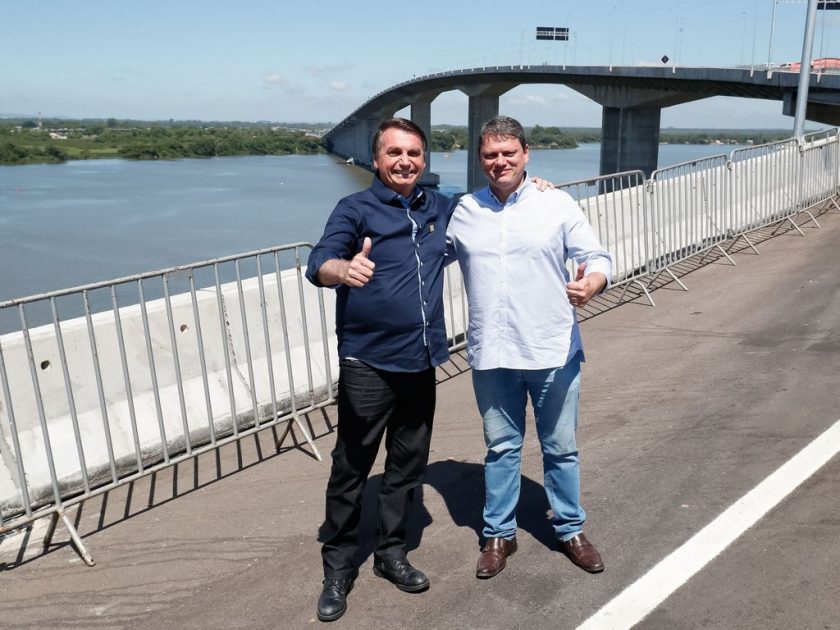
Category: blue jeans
[502,396]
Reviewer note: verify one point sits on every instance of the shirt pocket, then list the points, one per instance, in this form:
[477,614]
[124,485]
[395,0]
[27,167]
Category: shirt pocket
[432,241]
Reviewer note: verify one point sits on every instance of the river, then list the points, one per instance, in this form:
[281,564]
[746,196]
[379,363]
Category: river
[69,224]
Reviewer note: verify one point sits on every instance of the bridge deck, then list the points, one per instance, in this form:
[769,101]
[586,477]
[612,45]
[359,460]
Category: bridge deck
[686,407]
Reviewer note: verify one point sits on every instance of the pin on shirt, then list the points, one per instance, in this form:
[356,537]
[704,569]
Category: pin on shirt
[431,227]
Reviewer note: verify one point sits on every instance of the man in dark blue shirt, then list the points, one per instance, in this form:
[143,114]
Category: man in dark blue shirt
[383,249]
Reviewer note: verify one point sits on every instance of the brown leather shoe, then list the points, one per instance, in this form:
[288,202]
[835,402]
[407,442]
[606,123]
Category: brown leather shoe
[494,556]
[582,553]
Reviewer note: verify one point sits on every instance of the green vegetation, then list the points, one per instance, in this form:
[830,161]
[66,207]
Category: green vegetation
[451,138]
[448,138]
[723,136]
[12,153]
[24,142]
[550,138]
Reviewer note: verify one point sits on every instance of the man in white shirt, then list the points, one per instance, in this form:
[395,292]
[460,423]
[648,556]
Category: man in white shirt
[512,243]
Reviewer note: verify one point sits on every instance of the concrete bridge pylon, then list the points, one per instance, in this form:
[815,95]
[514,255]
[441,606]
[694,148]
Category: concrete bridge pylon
[483,105]
[632,99]
[630,124]
[421,115]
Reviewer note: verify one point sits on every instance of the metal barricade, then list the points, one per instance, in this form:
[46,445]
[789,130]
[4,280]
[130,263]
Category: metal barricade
[819,172]
[764,185]
[615,207]
[455,308]
[689,212]
[107,383]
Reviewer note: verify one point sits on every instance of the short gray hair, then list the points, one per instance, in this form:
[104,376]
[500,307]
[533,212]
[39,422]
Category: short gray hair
[396,123]
[502,127]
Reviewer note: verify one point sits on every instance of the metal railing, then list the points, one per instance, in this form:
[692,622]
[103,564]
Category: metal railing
[615,207]
[763,184]
[688,209]
[107,383]
[685,210]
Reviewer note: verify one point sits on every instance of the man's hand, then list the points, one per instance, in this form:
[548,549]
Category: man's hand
[356,272]
[583,287]
[542,184]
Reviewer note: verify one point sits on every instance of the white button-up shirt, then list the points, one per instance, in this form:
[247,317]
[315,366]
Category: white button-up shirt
[513,258]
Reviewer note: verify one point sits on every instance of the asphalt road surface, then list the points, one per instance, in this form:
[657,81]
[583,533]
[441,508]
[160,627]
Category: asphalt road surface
[687,408]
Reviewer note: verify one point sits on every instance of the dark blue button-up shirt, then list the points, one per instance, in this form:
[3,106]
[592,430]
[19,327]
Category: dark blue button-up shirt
[395,322]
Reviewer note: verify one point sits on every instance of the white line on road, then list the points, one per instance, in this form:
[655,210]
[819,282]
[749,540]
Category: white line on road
[640,598]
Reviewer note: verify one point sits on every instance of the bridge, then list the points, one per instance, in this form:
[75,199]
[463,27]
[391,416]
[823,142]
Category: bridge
[632,99]
[705,410]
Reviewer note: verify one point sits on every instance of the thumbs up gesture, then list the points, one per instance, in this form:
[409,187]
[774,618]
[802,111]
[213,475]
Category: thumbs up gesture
[583,287]
[359,269]
[366,245]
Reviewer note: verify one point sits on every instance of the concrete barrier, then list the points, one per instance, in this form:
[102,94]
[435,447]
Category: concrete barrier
[89,402]
[156,379]
[138,416]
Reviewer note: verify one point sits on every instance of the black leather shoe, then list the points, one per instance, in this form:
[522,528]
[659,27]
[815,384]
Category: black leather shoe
[401,574]
[333,600]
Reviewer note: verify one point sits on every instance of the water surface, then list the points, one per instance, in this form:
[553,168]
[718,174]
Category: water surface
[69,224]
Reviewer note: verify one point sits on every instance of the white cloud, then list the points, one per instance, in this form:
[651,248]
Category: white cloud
[528,99]
[275,78]
[276,81]
[341,86]
[538,99]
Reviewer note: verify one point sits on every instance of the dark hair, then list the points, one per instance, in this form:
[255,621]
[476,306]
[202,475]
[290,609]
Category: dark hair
[396,123]
[502,127]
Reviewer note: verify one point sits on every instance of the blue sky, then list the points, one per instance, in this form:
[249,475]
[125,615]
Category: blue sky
[317,61]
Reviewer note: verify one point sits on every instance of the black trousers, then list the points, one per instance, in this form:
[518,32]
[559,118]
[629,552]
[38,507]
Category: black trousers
[373,403]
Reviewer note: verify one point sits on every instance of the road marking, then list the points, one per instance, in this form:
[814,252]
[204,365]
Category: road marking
[640,598]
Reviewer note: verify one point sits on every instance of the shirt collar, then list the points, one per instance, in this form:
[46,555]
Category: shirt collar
[520,190]
[388,195]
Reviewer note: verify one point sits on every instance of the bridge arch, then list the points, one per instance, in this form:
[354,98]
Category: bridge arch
[631,98]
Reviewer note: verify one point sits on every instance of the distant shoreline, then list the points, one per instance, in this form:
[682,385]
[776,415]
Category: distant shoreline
[26,141]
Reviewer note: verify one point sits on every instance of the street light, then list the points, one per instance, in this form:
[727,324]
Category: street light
[805,69]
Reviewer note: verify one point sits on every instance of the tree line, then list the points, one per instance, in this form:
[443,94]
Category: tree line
[21,144]
[25,141]
[452,138]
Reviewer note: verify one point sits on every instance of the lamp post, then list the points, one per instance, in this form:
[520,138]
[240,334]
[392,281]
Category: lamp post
[805,71]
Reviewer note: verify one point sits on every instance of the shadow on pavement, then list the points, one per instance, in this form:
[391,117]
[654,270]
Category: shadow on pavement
[461,485]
